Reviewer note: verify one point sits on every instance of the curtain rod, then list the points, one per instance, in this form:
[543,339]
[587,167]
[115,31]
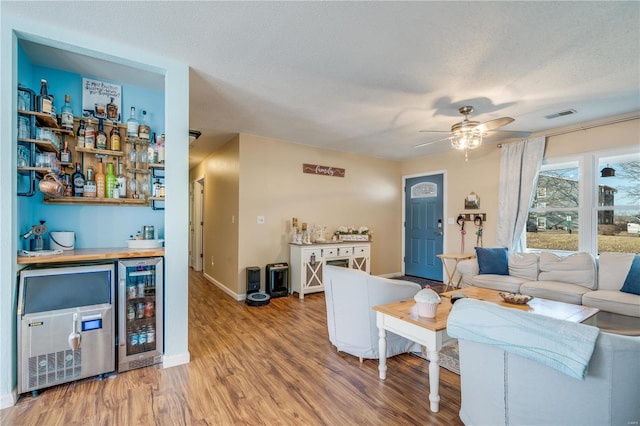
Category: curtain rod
[588,127]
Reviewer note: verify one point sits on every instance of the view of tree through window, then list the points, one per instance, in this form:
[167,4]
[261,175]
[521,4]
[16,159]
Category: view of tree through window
[609,214]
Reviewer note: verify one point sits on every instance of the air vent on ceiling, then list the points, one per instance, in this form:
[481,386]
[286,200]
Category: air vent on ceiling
[560,114]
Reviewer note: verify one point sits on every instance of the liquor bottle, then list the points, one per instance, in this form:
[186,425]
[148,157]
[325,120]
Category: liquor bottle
[114,135]
[90,185]
[65,154]
[100,181]
[68,187]
[153,150]
[110,181]
[122,181]
[44,100]
[80,135]
[90,135]
[53,110]
[132,124]
[78,182]
[66,114]
[101,136]
[144,131]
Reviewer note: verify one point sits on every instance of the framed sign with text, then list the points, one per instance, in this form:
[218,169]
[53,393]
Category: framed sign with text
[101,99]
[316,169]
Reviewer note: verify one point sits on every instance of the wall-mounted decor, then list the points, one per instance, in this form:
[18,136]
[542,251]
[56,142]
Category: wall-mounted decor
[101,99]
[472,201]
[316,169]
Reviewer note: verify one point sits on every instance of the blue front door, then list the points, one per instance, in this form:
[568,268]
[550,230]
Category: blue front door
[423,227]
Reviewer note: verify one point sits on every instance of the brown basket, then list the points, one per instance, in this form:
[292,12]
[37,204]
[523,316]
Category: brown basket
[51,185]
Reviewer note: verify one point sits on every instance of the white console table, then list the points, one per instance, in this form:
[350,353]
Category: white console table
[307,262]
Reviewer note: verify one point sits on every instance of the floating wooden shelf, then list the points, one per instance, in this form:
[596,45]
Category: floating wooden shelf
[100,151]
[156,198]
[42,144]
[34,169]
[46,120]
[97,201]
[156,165]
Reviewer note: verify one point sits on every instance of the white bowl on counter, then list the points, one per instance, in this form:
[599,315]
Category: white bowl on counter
[137,244]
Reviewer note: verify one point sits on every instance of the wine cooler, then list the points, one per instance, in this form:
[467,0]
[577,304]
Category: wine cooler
[140,303]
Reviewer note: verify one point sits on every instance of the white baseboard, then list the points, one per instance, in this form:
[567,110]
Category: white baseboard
[218,284]
[8,400]
[169,361]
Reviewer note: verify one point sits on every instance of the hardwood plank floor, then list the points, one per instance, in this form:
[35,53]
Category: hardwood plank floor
[269,365]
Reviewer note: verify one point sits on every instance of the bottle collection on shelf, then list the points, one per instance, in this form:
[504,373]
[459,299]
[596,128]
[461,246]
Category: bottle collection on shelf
[143,150]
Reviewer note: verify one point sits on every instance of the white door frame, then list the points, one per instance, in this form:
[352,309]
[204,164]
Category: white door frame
[197,224]
[444,212]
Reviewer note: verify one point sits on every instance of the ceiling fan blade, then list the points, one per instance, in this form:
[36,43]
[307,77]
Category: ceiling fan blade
[494,124]
[509,134]
[431,143]
[434,131]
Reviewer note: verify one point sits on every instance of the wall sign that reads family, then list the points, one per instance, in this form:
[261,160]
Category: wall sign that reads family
[316,169]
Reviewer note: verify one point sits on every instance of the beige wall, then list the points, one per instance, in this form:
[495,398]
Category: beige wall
[272,185]
[221,191]
[253,176]
[481,174]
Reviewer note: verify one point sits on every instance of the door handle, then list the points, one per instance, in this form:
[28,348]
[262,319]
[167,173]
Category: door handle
[439,233]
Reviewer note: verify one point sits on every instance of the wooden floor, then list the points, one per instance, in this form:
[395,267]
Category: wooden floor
[270,365]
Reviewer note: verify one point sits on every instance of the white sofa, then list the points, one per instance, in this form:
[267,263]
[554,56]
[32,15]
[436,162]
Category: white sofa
[499,387]
[350,295]
[575,278]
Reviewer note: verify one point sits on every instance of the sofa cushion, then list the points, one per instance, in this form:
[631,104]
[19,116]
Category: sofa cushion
[577,268]
[613,269]
[555,290]
[499,282]
[632,282]
[492,260]
[524,265]
[613,301]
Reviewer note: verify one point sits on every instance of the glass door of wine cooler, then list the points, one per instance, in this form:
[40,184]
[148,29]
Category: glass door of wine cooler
[140,302]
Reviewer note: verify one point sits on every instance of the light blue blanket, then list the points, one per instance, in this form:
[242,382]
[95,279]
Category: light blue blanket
[563,345]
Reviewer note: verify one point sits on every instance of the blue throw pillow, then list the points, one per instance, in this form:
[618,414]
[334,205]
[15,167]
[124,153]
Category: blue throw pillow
[632,282]
[492,260]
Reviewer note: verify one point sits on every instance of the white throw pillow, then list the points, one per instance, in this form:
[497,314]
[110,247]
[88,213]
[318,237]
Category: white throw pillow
[524,265]
[613,269]
[577,268]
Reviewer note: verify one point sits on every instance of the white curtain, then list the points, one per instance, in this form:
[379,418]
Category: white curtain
[519,166]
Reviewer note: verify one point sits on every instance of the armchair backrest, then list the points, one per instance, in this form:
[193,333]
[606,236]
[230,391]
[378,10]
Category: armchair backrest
[350,296]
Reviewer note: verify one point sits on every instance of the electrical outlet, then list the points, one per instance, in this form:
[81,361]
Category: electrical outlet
[260,219]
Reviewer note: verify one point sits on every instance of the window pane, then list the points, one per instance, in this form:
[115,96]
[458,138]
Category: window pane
[621,234]
[553,230]
[619,183]
[557,188]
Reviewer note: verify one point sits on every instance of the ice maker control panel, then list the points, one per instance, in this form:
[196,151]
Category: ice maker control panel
[91,322]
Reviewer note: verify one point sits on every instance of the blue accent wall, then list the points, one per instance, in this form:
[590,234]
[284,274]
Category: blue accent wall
[95,226]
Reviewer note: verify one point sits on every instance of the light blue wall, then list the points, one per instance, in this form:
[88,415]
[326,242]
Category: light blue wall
[95,226]
[176,233]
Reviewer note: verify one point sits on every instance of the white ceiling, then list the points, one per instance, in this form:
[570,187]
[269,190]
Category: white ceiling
[366,77]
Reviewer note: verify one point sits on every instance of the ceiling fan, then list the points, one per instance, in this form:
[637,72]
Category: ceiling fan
[468,134]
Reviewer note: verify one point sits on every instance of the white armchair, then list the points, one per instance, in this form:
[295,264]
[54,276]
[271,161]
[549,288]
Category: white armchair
[350,295]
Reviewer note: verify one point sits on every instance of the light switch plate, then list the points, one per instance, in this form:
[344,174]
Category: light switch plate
[260,219]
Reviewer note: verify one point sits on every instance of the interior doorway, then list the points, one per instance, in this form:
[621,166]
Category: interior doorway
[196,224]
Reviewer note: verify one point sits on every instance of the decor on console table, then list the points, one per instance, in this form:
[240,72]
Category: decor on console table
[350,233]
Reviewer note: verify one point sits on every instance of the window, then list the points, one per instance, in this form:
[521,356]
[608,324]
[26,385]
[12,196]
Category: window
[579,207]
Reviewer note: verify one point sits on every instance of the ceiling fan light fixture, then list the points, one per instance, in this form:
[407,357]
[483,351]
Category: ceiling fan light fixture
[193,135]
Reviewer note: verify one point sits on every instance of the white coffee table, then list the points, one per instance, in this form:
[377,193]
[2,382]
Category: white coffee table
[398,318]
